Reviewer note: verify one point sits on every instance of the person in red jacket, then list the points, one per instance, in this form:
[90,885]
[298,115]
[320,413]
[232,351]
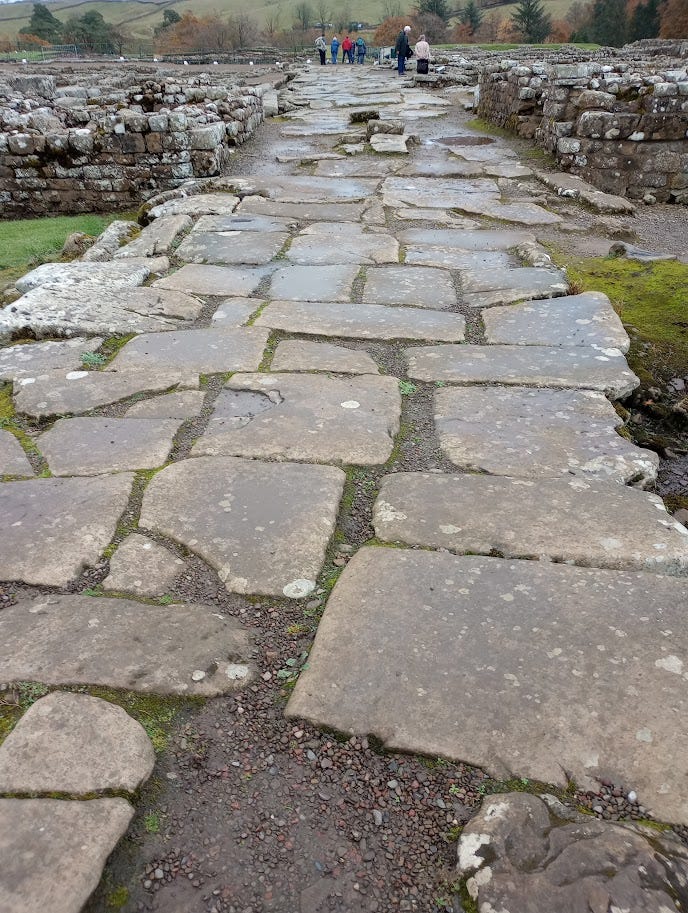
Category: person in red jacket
[347,45]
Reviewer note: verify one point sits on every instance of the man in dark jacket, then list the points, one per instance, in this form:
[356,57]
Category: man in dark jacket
[402,49]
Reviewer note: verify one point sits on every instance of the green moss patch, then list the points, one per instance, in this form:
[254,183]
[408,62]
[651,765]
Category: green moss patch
[651,300]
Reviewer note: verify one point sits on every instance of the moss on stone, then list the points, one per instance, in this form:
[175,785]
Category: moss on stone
[650,298]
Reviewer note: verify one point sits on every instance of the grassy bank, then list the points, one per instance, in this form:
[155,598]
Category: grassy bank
[27,242]
[651,299]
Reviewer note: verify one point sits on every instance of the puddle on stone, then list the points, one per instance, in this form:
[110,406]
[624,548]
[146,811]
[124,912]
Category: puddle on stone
[464,140]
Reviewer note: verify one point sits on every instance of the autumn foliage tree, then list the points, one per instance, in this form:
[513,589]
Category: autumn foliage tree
[386,33]
[206,33]
[674,19]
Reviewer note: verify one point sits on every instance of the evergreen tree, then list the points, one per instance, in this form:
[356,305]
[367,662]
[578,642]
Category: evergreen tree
[92,32]
[435,8]
[169,17]
[645,21]
[609,25]
[531,20]
[43,25]
[471,16]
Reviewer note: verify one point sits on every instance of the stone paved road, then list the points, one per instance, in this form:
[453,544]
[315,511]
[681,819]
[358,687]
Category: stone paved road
[318,314]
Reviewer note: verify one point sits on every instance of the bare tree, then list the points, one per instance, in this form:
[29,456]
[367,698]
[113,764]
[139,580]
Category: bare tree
[391,9]
[322,11]
[304,14]
[244,30]
[272,18]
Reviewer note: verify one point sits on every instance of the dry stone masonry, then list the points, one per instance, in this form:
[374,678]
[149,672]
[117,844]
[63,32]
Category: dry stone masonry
[111,141]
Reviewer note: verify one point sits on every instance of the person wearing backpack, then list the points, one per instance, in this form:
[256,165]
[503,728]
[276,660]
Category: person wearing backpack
[321,48]
[334,49]
[360,49]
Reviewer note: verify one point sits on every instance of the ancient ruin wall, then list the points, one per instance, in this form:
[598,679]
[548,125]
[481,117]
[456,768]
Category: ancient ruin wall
[622,129]
[76,148]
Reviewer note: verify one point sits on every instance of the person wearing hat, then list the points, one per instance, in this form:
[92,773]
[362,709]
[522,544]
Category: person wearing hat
[403,49]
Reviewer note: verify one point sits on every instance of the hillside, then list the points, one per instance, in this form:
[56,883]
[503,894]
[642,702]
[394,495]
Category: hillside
[141,16]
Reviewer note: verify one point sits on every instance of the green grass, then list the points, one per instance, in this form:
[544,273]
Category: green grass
[650,298]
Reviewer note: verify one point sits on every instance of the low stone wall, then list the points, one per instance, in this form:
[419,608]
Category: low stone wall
[619,124]
[121,138]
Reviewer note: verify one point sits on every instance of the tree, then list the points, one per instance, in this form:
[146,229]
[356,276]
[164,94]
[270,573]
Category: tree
[92,32]
[243,30]
[391,9]
[386,33]
[674,19]
[169,17]
[471,16]
[531,21]
[434,28]
[43,25]
[644,22]
[304,15]
[560,32]
[435,8]
[322,11]
[609,23]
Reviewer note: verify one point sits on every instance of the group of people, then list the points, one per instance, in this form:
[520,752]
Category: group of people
[357,49]
[350,49]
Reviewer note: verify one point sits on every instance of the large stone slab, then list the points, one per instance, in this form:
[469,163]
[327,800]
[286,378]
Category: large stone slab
[231,247]
[521,668]
[523,853]
[263,526]
[534,433]
[80,275]
[75,743]
[59,393]
[461,239]
[298,355]
[199,279]
[54,851]
[359,166]
[58,526]
[485,287]
[305,417]
[301,212]
[419,286]
[157,238]
[454,258]
[389,143]
[570,185]
[13,460]
[575,320]
[314,283]
[442,193]
[305,189]
[595,524]
[364,321]
[199,205]
[94,445]
[244,222]
[32,359]
[88,640]
[206,351]
[142,566]
[538,366]
[184,405]
[344,242]
[234,312]
[521,212]
[99,310]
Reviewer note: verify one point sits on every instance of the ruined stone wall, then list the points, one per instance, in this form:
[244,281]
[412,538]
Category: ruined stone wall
[620,125]
[112,143]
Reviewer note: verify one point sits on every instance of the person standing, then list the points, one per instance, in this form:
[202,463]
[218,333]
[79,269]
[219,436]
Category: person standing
[346,50]
[402,48]
[422,50]
[321,48]
[360,49]
[334,49]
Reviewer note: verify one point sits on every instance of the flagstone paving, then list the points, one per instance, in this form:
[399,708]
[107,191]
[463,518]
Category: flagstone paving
[288,339]
[74,743]
[596,524]
[71,640]
[263,526]
[519,667]
[538,434]
[13,460]
[58,526]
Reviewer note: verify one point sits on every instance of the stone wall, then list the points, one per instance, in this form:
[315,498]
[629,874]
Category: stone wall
[111,141]
[619,123]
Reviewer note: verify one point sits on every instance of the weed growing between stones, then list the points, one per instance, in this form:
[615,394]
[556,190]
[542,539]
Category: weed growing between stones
[118,898]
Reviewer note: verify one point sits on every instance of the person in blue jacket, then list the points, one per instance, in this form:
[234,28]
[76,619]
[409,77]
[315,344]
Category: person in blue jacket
[334,49]
[360,49]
